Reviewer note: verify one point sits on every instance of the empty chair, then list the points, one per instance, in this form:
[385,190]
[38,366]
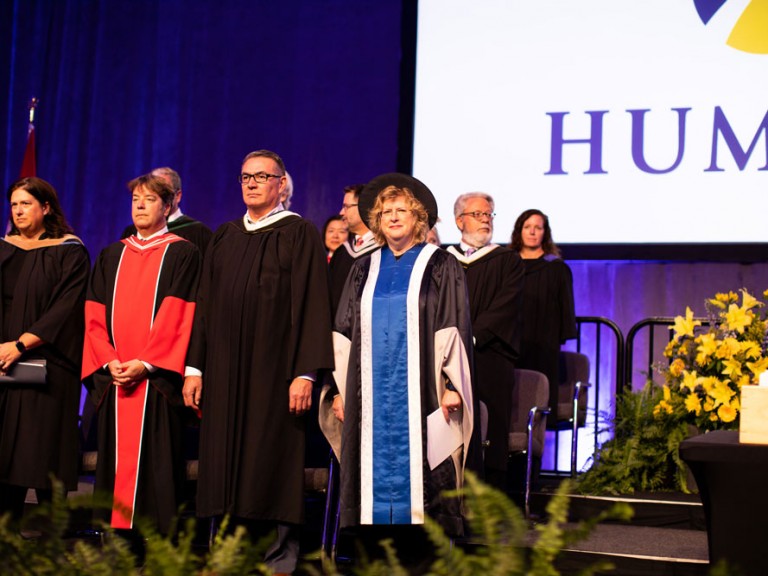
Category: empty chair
[570,411]
[527,425]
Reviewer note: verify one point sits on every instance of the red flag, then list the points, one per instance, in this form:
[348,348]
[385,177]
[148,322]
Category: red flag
[29,165]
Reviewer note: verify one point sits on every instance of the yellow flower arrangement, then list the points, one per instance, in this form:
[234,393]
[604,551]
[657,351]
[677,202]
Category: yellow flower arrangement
[708,362]
[708,365]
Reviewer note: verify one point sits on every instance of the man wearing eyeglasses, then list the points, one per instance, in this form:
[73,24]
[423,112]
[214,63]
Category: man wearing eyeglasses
[359,243]
[262,333]
[495,284]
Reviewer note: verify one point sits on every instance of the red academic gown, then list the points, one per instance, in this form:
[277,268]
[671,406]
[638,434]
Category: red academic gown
[140,305]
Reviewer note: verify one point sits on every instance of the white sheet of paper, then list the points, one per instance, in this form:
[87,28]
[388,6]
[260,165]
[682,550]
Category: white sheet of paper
[443,438]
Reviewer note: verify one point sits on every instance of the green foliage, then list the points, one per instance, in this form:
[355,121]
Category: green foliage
[234,553]
[643,454]
[56,554]
[50,554]
[496,522]
[505,545]
[502,532]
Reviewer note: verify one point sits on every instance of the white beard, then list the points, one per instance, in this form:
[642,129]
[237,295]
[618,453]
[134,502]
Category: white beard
[477,239]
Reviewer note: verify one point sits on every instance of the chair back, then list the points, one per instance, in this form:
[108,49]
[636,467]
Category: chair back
[483,422]
[574,369]
[531,390]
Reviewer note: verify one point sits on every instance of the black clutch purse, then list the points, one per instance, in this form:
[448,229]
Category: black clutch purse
[30,372]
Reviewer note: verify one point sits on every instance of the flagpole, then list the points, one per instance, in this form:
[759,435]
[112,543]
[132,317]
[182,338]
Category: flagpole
[29,163]
[32,105]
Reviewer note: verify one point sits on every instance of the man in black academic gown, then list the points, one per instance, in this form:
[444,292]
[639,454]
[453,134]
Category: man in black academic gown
[359,243]
[262,332]
[180,224]
[495,284]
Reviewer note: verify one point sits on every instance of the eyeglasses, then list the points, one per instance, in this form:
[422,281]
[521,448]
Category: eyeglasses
[479,215]
[392,212]
[347,206]
[259,177]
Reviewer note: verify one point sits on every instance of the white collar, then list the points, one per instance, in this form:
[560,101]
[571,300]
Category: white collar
[367,238]
[369,243]
[464,247]
[277,214]
[160,232]
[176,215]
[251,224]
[479,253]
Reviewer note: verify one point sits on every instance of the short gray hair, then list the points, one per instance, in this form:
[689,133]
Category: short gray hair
[266,154]
[287,193]
[461,202]
[171,174]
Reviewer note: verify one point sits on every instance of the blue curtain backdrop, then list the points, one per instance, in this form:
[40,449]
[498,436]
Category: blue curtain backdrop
[128,85]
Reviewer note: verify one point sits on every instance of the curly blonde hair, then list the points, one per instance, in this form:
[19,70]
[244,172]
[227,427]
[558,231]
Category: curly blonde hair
[421,227]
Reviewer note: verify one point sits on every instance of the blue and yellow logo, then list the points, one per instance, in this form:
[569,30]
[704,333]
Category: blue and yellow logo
[750,33]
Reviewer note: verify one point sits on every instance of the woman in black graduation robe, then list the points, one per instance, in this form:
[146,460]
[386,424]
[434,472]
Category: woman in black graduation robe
[43,276]
[548,309]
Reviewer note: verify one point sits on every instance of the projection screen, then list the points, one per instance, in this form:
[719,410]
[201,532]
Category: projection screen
[625,122]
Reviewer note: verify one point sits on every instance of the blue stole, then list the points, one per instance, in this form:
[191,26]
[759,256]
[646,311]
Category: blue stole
[392,457]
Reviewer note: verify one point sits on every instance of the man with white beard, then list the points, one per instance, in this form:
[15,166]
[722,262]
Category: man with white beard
[495,285]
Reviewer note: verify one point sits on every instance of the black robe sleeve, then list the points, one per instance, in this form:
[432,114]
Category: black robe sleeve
[53,326]
[197,343]
[310,310]
[568,329]
[500,316]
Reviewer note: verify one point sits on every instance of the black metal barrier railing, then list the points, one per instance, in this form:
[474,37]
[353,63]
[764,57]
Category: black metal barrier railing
[635,359]
[598,338]
[654,350]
